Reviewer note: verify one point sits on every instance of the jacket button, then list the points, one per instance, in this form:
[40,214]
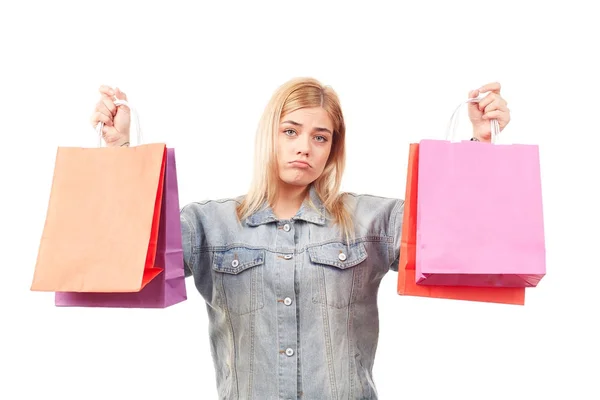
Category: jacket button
[342,257]
[235,263]
[286,227]
[288,256]
[289,352]
[287,301]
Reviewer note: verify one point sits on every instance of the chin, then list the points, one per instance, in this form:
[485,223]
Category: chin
[297,181]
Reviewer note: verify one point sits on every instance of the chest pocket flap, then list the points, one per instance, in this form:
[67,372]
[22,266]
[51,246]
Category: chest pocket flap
[338,255]
[237,259]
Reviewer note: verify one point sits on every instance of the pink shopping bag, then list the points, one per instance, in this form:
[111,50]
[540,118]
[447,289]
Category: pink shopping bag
[480,218]
[406,265]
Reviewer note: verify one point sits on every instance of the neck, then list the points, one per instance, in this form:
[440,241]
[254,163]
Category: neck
[289,200]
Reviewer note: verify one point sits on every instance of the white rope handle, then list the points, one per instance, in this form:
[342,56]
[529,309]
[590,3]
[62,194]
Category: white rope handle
[134,113]
[452,124]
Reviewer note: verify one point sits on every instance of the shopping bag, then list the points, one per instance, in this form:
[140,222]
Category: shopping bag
[166,289]
[480,217]
[112,235]
[406,268]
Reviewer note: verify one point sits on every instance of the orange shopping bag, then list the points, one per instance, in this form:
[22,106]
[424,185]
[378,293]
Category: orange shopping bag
[406,268]
[101,229]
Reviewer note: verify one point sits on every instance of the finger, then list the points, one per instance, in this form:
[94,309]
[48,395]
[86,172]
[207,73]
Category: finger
[100,117]
[107,90]
[472,95]
[109,134]
[497,104]
[102,108]
[109,105]
[120,95]
[491,87]
[496,114]
[487,100]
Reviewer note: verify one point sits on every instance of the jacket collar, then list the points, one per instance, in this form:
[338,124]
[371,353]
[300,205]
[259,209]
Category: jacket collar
[305,213]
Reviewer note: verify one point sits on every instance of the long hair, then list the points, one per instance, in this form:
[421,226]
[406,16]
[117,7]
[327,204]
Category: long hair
[295,94]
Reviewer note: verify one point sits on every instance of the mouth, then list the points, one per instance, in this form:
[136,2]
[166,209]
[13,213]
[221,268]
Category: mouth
[299,164]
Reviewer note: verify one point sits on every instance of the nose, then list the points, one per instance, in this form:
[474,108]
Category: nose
[303,145]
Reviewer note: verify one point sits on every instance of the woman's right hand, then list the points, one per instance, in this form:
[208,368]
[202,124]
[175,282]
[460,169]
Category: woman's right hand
[116,119]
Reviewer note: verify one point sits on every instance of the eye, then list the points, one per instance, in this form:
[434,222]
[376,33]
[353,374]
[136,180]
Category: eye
[293,132]
[321,139]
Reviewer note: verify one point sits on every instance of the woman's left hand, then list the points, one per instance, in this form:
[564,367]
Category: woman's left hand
[492,106]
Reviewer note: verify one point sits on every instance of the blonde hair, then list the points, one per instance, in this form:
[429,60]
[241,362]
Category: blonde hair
[295,94]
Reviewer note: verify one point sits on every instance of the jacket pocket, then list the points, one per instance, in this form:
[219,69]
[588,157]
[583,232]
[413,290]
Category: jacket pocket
[338,271]
[239,275]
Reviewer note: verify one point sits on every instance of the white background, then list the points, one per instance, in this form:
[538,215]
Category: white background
[200,76]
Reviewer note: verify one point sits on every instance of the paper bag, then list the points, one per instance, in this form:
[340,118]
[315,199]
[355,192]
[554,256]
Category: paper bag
[112,236]
[479,220]
[406,269]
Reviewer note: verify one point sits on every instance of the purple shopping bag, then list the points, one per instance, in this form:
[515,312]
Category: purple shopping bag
[480,217]
[168,288]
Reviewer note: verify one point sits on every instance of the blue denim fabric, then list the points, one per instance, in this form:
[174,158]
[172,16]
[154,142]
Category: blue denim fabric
[292,306]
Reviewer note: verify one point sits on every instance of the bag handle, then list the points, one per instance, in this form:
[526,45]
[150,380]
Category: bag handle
[451,130]
[134,113]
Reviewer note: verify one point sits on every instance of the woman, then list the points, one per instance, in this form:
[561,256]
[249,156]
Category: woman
[290,271]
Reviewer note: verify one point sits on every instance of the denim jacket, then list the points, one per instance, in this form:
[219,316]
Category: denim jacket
[292,306]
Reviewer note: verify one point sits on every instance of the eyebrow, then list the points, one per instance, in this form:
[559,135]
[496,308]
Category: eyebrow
[299,124]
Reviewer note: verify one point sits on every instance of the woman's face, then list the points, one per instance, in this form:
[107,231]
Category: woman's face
[303,146]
